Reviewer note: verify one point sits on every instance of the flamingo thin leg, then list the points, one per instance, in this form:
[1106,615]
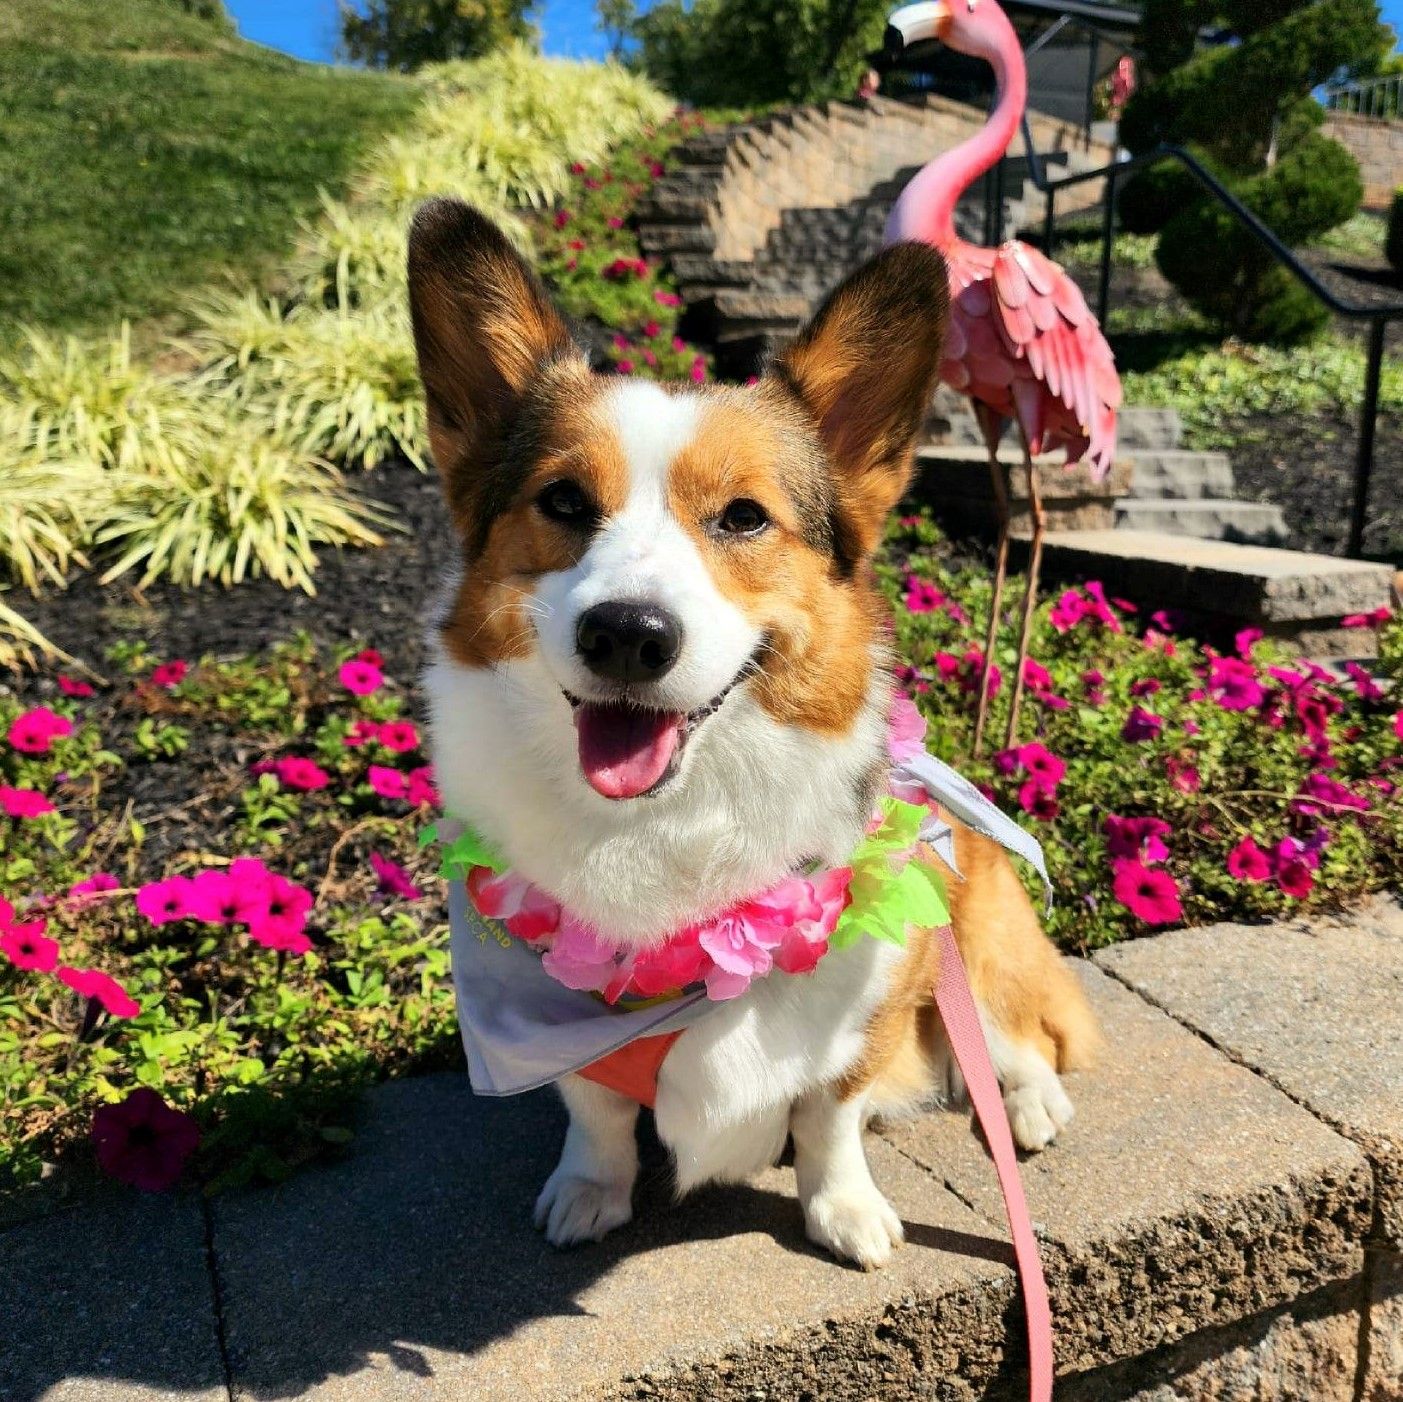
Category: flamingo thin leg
[990,429]
[1030,594]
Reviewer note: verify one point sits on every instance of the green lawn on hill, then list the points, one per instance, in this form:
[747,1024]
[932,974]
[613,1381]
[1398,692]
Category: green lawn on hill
[145,150]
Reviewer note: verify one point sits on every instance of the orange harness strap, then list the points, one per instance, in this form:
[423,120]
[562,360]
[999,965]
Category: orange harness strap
[633,1069]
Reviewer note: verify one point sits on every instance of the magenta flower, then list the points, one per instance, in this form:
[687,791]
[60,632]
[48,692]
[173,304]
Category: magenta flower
[360,677]
[1398,724]
[1148,893]
[162,902]
[624,367]
[362,732]
[562,218]
[393,879]
[1094,682]
[922,597]
[1318,789]
[1034,798]
[1042,765]
[1247,862]
[399,736]
[305,774]
[1364,685]
[698,371]
[70,686]
[1234,685]
[651,329]
[1167,620]
[169,675]
[93,984]
[670,966]
[810,910]
[23,803]
[92,888]
[1068,611]
[614,222]
[1136,839]
[387,782]
[420,789]
[1245,640]
[143,1142]
[1146,686]
[1373,619]
[1183,774]
[1141,724]
[26,946]
[33,732]
[279,922]
[1295,879]
[667,299]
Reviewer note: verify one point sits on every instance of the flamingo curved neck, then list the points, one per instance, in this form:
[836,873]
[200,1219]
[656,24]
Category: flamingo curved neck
[925,210]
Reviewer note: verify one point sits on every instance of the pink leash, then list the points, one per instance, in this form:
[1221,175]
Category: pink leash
[956,1004]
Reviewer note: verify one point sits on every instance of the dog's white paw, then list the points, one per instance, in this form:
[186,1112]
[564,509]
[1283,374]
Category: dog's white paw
[1037,1111]
[858,1225]
[571,1209]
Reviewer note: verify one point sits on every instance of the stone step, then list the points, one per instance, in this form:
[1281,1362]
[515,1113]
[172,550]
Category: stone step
[1180,474]
[1287,593]
[1249,522]
[1139,426]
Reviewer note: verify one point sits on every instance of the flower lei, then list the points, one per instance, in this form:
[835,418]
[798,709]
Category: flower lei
[790,926]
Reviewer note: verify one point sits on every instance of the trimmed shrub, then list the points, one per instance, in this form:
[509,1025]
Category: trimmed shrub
[1153,196]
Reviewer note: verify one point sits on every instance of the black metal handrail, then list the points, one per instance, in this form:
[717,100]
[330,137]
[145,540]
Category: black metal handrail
[1377,316]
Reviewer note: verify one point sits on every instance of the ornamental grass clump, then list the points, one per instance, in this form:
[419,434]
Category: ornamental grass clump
[237,504]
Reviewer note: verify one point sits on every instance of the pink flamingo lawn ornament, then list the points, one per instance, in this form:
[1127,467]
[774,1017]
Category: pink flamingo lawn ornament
[1022,343]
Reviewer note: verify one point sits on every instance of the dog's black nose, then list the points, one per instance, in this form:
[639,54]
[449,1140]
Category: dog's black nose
[626,642]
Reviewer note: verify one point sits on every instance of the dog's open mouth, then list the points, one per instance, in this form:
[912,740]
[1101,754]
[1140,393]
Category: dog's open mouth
[627,751]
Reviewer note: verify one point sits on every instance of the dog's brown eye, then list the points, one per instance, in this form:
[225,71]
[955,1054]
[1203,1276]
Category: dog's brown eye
[743,517]
[565,501]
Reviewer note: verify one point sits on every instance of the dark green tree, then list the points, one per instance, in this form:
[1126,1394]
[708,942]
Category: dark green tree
[616,19]
[404,34]
[1245,109]
[746,53]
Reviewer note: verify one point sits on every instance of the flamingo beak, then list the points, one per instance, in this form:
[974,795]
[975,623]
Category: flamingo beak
[912,24]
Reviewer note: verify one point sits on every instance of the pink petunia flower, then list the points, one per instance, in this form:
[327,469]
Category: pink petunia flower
[1319,789]
[1148,893]
[1398,724]
[624,367]
[1234,685]
[143,1142]
[92,888]
[667,299]
[698,370]
[296,773]
[23,803]
[921,597]
[1167,620]
[360,677]
[27,947]
[1146,686]
[1247,862]
[562,218]
[387,782]
[1068,611]
[1365,686]
[94,984]
[1295,879]
[70,686]
[399,736]
[33,732]
[162,902]
[362,732]
[1140,725]
[1245,640]
[1034,798]
[280,922]
[420,789]
[169,675]
[1136,839]
[393,879]
[219,898]
[1373,619]
[1042,765]
[651,329]
[1182,774]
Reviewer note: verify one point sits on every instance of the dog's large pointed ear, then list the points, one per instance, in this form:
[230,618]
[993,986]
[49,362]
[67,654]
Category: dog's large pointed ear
[865,368]
[484,329]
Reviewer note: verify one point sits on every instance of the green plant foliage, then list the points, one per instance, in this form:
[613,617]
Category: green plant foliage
[1153,196]
[406,34]
[233,505]
[1393,242]
[733,53]
[1245,107]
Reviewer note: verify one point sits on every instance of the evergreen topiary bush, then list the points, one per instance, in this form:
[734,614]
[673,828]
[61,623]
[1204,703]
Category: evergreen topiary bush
[1245,107]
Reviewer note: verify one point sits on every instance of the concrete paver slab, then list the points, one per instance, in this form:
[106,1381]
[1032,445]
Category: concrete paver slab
[411,1270]
[1316,1007]
[109,1302]
[1187,1192]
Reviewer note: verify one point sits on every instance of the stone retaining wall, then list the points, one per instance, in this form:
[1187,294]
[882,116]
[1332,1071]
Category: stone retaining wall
[1378,147]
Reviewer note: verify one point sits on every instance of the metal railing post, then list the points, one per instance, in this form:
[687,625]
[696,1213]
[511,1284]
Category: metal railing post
[1108,235]
[1368,416]
[1049,230]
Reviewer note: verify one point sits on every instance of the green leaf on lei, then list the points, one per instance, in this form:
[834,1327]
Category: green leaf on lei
[469,849]
[890,891]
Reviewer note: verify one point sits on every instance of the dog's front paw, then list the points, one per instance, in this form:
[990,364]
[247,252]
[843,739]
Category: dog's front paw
[571,1209]
[1037,1111]
[856,1225]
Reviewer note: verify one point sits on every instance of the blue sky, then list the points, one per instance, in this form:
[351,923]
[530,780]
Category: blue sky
[307,28]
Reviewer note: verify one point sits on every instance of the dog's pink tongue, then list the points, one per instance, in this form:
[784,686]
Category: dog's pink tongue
[625,751]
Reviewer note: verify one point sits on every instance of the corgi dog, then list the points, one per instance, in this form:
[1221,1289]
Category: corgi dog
[659,683]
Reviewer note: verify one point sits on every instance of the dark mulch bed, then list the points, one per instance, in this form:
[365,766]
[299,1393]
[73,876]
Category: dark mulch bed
[378,596]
